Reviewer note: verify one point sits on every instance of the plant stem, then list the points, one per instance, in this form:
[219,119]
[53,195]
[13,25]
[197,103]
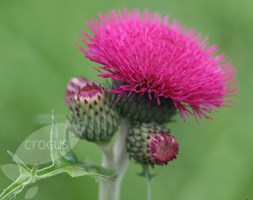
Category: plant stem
[114,158]
[148,190]
[106,187]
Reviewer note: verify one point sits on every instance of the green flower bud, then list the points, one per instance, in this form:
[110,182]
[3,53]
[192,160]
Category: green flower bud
[92,115]
[149,144]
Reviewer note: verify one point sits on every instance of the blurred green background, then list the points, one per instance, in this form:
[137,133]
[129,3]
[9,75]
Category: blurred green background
[37,58]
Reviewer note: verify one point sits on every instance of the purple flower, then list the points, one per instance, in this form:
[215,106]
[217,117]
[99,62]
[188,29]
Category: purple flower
[82,89]
[150,55]
[162,148]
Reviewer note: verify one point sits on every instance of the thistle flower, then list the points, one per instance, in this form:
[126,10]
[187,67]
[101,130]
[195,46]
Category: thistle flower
[150,144]
[92,116]
[153,57]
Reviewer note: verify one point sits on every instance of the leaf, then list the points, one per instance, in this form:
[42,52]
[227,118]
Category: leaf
[23,169]
[64,161]
[18,185]
[14,189]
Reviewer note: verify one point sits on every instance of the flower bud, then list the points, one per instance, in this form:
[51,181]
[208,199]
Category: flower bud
[92,115]
[150,144]
[142,108]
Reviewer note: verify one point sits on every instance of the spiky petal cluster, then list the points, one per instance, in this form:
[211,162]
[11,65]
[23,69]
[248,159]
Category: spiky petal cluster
[163,148]
[150,56]
[82,88]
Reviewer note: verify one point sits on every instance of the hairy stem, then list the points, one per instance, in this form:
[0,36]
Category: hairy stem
[114,158]
[106,187]
[148,190]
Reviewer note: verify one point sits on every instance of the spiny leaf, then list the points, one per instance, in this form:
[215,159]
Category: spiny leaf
[62,162]
[21,166]
[24,179]
[14,189]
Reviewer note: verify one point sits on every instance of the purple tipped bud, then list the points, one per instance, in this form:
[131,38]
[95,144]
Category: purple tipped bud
[92,115]
[150,144]
[79,87]
[162,148]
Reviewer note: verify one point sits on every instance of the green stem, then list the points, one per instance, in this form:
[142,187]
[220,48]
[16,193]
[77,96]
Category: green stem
[107,162]
[62,162]
[30,176]
[114,158]
[148,189]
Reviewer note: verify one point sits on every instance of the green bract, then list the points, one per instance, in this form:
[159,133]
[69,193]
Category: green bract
[139,108]
[93,117]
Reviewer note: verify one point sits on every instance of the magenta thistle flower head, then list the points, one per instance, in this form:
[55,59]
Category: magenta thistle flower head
[150,144]
[148,55]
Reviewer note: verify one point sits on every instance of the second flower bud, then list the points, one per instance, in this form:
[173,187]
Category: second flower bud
[149,144]
[92,115]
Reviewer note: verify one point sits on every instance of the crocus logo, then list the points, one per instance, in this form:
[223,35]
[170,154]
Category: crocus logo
[42,145]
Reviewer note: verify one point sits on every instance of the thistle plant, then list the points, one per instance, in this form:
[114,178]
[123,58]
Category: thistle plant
[157,68]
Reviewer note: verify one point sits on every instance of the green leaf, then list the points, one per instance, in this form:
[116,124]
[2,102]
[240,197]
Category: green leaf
[23,169]
[17,186]
[62,162]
